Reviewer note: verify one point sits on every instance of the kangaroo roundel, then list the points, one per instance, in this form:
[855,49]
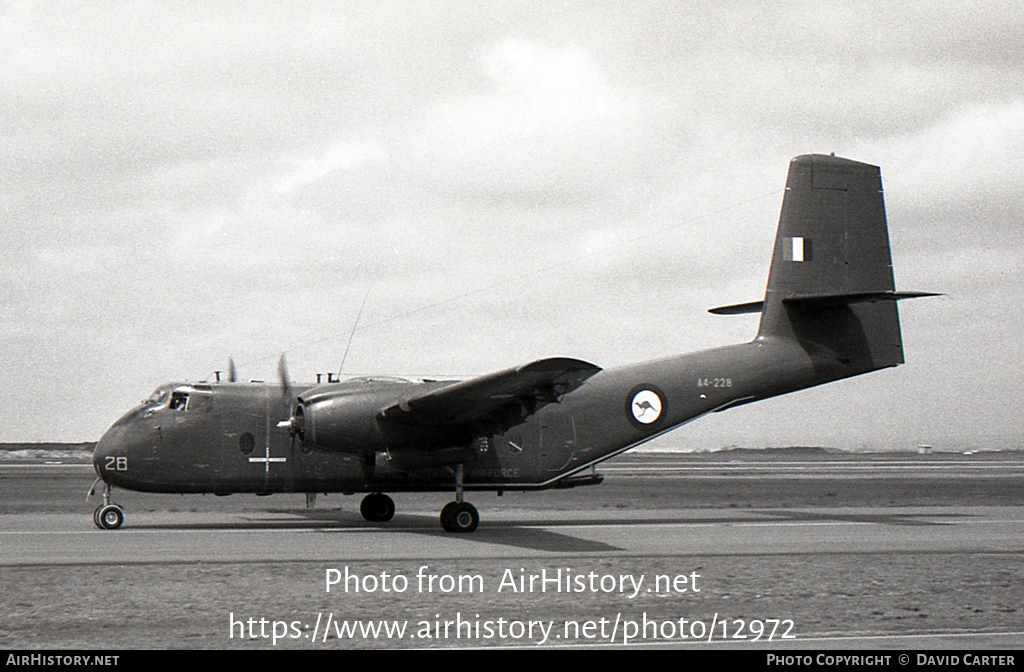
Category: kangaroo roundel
[646,406]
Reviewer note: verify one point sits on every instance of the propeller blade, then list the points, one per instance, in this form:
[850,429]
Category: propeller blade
[282,376]
[294,423]
[232,371]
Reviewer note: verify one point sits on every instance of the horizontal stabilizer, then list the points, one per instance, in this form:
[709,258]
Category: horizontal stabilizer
[739,308]
[842,299]
[822,301]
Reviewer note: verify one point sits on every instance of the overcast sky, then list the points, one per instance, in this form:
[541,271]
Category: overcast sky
[504,181]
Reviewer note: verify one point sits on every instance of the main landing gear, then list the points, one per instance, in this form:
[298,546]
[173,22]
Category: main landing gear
[459,516]
[108,516]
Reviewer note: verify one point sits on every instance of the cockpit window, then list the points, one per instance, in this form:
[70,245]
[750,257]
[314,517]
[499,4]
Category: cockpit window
[179,400]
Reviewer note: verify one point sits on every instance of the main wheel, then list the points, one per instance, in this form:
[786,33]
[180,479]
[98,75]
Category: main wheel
[108,517]
[459,517]
[377,508]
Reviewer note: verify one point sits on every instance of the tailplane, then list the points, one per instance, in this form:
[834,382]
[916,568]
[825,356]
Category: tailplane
[831,285]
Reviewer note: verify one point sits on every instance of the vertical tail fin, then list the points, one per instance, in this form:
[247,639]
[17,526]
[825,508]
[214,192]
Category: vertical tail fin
[831,285]
[831,270]
[832,237]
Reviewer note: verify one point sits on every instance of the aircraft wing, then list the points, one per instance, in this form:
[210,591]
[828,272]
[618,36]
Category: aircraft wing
[494,402]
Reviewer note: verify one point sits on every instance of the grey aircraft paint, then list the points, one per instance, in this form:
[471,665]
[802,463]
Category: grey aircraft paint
[829,312]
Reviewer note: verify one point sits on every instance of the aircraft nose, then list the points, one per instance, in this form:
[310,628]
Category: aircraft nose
[109,450]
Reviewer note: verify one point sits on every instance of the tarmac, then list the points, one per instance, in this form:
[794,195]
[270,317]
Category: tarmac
[906,562]
[300,536]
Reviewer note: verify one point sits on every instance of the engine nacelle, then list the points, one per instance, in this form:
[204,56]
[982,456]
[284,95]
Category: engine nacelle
[339,421]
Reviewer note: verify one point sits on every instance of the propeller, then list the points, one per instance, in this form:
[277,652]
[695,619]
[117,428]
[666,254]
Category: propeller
[295,422]
[232,371]
[282,377]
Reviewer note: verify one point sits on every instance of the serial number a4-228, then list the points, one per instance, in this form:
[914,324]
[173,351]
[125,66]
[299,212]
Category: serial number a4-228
[714,382]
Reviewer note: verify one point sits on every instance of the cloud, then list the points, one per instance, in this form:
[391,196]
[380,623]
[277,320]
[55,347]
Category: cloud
[183,185]
[541,122]
[340,156]
[967,164]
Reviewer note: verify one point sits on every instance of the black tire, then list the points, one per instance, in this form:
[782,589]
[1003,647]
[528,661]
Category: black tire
[96,517]
[446,517]
[109,516]
[459,517]
[377,508]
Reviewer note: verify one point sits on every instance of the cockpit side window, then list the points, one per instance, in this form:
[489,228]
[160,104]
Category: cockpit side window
[179,400]
[182,398]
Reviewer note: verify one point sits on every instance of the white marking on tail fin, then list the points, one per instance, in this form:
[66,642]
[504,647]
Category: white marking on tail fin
[796,248]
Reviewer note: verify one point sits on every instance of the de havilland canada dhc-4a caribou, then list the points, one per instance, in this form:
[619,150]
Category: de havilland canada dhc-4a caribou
[829,312]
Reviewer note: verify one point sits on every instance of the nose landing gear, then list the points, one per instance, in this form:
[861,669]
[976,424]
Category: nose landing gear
[107,516]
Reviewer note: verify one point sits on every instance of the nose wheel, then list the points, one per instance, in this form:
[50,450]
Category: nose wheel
[108,516]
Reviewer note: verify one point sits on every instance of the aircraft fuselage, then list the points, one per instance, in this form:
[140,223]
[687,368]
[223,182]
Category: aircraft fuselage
[227,439]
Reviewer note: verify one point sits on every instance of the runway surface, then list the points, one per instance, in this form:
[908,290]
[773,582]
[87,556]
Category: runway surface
[877,552]
[62,539]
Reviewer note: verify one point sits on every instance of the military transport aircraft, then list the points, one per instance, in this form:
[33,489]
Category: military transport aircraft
[829,312]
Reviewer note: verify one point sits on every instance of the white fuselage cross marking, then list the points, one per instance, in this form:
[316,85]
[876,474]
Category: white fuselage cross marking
[267,459]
